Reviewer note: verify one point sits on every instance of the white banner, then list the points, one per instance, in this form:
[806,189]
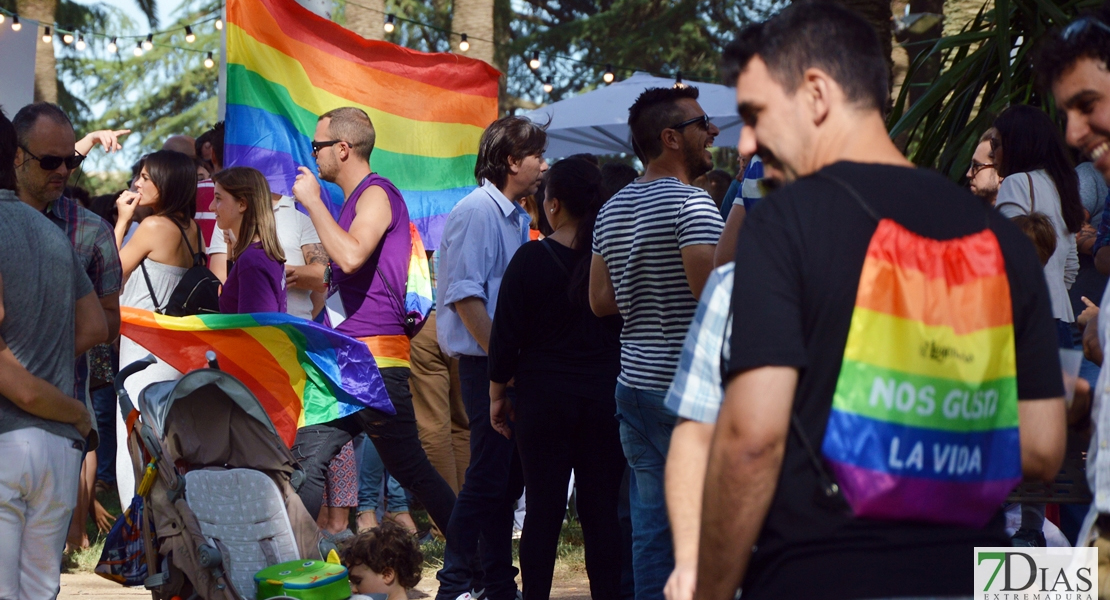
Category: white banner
[17,69]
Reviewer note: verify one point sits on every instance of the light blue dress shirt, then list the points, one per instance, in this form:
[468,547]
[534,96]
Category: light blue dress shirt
[480,236]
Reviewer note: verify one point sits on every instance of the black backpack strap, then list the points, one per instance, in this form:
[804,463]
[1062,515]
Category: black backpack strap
[854,194]
[555,257]
[198,256]
[149,287]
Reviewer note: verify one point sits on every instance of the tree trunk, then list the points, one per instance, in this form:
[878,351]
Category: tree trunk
[367,23]
[475,19]
[916,43]
[878,14]
[46,72]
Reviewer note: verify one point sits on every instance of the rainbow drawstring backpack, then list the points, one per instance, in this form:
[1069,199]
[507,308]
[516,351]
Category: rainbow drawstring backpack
[924,421]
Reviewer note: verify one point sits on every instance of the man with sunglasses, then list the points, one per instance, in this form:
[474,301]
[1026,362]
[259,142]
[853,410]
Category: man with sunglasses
[1075,65]
[652,254]
[370,247]
[45,159]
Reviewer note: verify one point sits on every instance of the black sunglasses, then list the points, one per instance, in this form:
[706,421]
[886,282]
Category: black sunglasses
[703,119]
[976,168]
[50,163]
[1080,25]
[318,146]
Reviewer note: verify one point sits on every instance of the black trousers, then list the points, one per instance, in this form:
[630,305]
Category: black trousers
[556,432]
[395,438]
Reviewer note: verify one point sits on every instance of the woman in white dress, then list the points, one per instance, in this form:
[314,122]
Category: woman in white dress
[154,259]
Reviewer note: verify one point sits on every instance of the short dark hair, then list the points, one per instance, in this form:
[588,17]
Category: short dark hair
[614,176]
[27,116]
[1031,141]
[655,110]
[816,34]
[1056,55]
[508,137]
[352,125]
[387,546]
[8,145]
[175,176]
[217,141]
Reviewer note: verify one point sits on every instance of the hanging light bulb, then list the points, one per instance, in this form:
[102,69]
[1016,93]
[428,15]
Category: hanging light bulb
[464,44]
[608,77]
[208,62]
[535,62]
[189,37]
[46,35]
[547,87]
[219,24]
[16,25]
[81,43]
[148,43]
[1,17]
[112,47]
[388,24]
[138,51]
[67,38]
[678,80]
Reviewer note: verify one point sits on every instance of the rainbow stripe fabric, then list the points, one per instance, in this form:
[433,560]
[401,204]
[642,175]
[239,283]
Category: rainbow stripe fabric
[286,66]
[924,422]
[302,373]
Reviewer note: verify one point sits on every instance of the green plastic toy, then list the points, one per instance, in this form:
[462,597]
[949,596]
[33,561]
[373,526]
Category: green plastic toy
[305,580]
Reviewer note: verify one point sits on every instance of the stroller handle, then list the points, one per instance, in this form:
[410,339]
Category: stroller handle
[125,404]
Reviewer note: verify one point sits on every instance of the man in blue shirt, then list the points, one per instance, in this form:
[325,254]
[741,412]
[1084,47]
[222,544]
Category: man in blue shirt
[481,235]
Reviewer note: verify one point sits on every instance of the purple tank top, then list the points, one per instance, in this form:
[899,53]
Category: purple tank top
[370,307]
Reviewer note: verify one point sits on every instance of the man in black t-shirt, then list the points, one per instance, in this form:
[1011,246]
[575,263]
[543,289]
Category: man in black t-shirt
[811,85]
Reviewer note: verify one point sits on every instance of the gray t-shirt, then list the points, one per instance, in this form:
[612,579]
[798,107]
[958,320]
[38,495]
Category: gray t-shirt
[43,279]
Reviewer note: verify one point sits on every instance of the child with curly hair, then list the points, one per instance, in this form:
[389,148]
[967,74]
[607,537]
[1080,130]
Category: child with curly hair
[383,560]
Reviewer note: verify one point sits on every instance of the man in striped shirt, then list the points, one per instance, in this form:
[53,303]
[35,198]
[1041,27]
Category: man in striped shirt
[653,251]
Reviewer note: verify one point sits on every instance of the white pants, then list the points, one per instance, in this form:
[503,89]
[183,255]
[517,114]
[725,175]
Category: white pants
[39,474]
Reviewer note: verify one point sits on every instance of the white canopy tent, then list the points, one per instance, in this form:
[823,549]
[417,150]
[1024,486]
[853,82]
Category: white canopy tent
[597,122]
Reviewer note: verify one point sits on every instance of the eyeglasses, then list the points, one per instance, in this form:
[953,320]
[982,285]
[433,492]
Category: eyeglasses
[318,146]
[50,163]
[1080,25]
[703,119]
[977,167]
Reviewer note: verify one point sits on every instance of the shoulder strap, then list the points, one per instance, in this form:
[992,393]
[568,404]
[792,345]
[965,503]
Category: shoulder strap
[1032,194]
[854,194]
[558,261]
[149,287]
[197,260]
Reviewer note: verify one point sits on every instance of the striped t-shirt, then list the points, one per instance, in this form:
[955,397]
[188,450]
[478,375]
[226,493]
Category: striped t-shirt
[640,233]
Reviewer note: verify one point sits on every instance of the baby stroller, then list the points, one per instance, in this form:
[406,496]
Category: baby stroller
[218,486]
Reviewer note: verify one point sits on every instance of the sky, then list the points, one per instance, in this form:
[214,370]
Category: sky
[166,9]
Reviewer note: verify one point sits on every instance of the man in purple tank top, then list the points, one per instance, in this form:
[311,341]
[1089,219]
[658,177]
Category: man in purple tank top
[369,247]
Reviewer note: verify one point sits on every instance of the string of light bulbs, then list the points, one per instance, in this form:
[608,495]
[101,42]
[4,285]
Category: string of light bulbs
[146,43]
[142,44]
[534,62]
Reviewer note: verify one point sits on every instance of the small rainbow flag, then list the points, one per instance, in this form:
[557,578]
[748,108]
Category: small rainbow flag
[924,421]
[303,373]
[287,66]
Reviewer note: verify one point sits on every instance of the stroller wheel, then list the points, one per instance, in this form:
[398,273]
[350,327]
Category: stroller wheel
[208,556]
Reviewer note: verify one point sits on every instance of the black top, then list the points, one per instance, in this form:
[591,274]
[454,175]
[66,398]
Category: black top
[538,330]
[798,262]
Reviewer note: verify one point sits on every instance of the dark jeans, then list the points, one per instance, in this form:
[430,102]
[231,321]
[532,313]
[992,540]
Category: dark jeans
[484,511]
[105,407]
[396,440]
[557,432]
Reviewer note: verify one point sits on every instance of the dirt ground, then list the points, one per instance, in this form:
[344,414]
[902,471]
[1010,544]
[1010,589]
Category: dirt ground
[568,585]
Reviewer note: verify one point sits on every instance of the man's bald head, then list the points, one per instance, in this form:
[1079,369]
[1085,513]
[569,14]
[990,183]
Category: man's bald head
[183,144]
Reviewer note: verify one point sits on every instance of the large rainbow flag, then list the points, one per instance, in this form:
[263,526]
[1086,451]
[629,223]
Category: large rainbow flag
[303,373]
[286,66]
[924,421]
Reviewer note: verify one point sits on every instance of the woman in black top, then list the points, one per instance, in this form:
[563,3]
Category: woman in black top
[565,363]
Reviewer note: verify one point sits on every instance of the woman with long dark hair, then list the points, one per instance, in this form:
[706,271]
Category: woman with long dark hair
[154,259]
[565,363]
[1039,177]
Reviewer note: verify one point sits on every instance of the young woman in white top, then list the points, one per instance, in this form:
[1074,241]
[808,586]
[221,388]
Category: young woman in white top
[160,246]
[1039,177]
